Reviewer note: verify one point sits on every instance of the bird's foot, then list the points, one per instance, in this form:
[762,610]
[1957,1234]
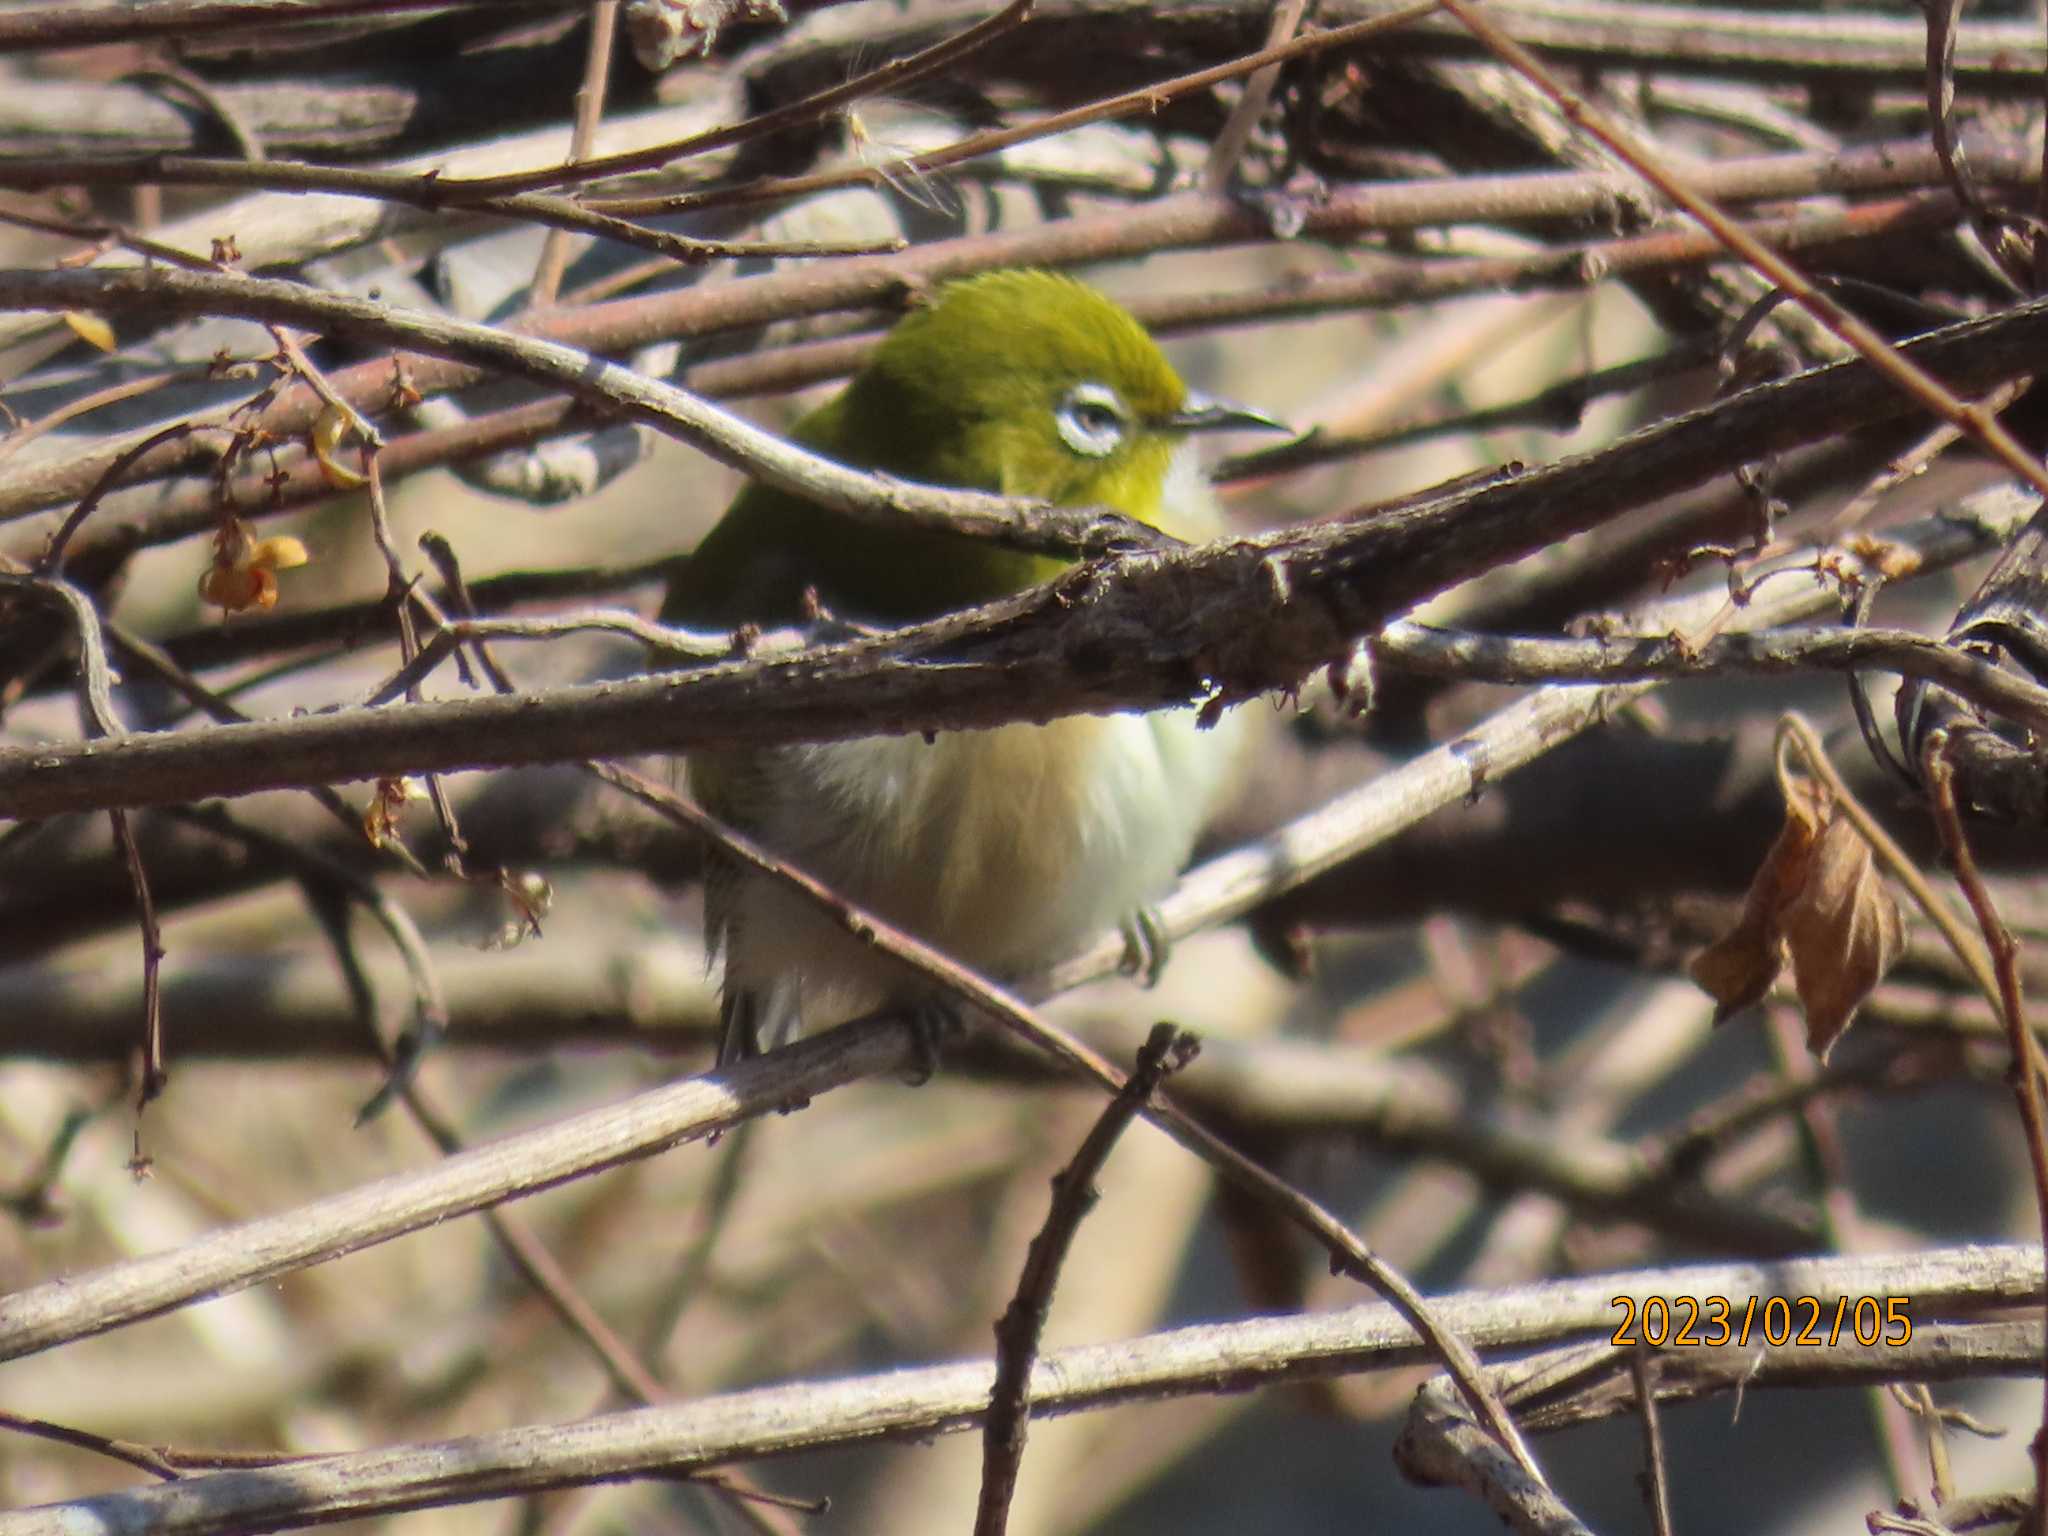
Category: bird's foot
[934,1024]
[1146,946]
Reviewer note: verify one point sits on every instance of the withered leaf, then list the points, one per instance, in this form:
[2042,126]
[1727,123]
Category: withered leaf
[1738,969]
[1818,903]
[1843,931]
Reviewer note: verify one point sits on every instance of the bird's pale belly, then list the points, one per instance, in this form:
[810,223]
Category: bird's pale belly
[1003,848]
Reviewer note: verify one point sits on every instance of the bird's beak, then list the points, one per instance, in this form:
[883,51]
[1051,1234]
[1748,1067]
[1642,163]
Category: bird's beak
[1205,413]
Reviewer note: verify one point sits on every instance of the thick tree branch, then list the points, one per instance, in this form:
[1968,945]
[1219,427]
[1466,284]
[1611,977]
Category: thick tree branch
[1222,623]
[1958,1283]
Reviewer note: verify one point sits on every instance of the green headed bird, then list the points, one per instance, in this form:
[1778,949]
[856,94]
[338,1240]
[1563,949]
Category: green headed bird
[1003,848]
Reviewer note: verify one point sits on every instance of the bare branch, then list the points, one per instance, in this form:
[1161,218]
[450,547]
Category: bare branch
[917,1403]
[25,27]
[1023,1321]
[42,1317]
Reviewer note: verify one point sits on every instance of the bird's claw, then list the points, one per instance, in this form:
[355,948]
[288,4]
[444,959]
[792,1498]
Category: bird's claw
[1146,946]
[933,1023]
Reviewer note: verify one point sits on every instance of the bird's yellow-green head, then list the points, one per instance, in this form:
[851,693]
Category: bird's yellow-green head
[1030,384]
[1026,383]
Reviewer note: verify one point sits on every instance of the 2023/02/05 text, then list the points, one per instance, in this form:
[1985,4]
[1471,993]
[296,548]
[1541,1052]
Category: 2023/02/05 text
[1712,1321]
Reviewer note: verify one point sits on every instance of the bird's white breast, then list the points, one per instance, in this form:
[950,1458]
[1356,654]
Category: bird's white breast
[1004,848]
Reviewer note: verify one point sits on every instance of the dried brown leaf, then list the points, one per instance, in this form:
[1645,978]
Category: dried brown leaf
[1843,931]
[1738,969]
[1819,903]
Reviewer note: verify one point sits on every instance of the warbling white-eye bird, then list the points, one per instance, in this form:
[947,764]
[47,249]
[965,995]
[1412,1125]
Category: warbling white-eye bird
[1004,847]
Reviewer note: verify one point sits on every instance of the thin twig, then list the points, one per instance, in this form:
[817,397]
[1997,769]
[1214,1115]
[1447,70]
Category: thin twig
[405,190]
[1844,1226]
[597,69]
[1458,655]
[146,1458]
[1003,1431]
[1941,1482]
[401,592]
[1904,374]
[1642,1365]
[53,554]
[1913,461]
[154,660]
[476,631]
[154,1075]
[1237,128]
[103,722]
[892,76]
[1146,99]
[98,399]
[514,1237]
[1937,772]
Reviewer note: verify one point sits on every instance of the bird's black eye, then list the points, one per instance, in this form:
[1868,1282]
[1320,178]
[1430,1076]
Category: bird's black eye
[1091,419]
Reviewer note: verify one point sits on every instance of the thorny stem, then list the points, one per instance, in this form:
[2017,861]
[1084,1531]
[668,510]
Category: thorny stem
[1938,773]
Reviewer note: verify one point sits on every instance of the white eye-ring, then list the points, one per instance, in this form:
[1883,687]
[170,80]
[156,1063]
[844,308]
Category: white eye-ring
[1091,419]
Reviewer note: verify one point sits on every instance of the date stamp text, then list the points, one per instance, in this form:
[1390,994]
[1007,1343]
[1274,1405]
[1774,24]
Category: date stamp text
[1675,1321]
